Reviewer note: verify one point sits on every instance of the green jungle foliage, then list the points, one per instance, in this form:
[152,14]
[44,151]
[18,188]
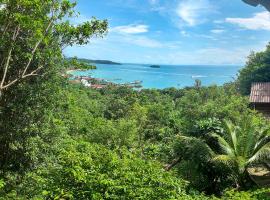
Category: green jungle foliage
[257,69]
[115,143]
[77,64]
[64,141]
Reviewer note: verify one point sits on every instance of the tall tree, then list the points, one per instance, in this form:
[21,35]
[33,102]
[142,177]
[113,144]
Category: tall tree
[257,69]
[33,35]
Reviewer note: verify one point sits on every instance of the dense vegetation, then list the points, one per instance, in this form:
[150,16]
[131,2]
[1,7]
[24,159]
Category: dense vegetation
[77,64]
[64,141]
[90,61]
[257,70]
[116,143]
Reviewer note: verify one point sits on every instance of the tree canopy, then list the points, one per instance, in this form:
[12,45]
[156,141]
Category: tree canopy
[33,35]
[257,69]
[60,140]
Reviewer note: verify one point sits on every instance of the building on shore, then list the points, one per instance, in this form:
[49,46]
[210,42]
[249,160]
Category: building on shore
[260,97]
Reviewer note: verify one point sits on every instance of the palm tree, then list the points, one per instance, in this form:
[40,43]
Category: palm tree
[189,148]
[237,149]
[241,148]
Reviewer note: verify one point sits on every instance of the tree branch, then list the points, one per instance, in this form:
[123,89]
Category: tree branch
[35,48]
[9,84]
[33,73]
[168,167]
[6,67]
[15,34]
[5,29]
[38,43]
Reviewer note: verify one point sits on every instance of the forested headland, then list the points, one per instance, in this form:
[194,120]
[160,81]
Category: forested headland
[63,141]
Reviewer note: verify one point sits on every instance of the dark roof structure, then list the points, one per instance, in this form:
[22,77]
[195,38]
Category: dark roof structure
[265,3]
[260,93]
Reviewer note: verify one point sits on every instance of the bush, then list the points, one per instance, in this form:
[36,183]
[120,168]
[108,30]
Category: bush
[86,171]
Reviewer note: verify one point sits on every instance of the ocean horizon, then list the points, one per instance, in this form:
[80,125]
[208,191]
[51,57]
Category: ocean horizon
[178,76]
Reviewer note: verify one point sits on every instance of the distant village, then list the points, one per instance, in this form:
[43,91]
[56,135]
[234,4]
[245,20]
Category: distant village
[98,83]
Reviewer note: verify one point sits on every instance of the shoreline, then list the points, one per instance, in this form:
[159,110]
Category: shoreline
[97,83]
[70,71]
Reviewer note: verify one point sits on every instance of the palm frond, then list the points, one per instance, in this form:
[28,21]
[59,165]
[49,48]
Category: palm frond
[192,148]
[242,163]
[262,154]
[247,141]
[261,143]
[263,132]
[232,131]
[227,149]
[224,159]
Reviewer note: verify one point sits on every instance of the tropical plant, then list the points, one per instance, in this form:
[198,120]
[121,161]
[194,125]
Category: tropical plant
[224,156]
[241,147]
[90,171]
[256,70]
[33,35]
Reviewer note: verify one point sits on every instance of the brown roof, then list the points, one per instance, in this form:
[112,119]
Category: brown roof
[260,93]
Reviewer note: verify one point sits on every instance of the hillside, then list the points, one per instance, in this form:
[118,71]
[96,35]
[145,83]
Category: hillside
[107,62]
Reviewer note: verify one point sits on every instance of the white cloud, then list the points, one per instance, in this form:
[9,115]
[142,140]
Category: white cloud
[130,29]
[147,42]
[259,21]
[115,49]
[217,31]
[124,40]
[143,42]
[213,55]
[193,12]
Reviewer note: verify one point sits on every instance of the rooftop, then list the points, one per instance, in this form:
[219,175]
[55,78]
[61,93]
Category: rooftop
[260,93]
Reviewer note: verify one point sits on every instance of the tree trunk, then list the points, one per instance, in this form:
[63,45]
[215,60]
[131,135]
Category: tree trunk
[168,167]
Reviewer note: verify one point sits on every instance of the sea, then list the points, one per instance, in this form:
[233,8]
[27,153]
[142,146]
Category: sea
[178,76]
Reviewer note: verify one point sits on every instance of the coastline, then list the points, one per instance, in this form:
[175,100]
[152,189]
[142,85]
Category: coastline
[96,83]
[160,78]
[165,77]
[69,71]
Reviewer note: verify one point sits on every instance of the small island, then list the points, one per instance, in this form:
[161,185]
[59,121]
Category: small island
[155,66]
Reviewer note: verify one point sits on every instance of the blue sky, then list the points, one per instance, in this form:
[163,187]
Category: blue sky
[175,31]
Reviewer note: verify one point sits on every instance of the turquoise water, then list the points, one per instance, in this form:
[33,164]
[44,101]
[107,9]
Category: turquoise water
[166,76]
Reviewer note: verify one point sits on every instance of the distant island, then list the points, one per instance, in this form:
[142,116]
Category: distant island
[107,62]
[155,66]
